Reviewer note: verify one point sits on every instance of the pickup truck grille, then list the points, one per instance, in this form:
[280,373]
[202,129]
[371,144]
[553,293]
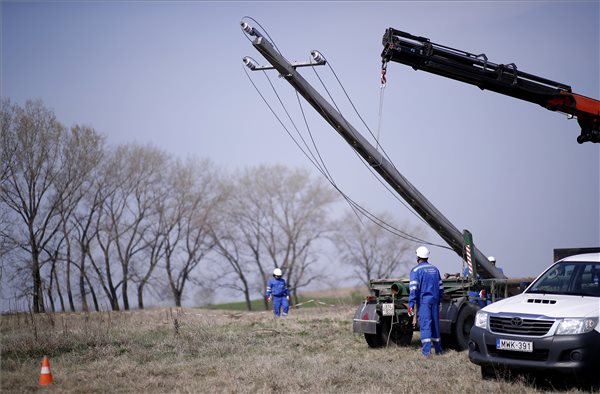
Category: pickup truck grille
[518,326]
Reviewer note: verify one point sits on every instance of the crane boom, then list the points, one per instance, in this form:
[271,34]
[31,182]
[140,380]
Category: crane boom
[422,54]
[369,153]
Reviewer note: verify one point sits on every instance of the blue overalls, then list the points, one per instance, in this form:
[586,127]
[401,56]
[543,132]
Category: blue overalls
[426,291]
[277,290]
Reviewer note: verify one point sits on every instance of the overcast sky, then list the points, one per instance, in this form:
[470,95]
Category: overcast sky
[171,74]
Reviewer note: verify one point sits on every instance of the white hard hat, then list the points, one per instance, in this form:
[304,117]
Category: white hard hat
[492,259]
[277,272]
[423,252]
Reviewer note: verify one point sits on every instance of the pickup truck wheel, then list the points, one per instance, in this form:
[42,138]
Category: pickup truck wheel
[487,373]
[462,329]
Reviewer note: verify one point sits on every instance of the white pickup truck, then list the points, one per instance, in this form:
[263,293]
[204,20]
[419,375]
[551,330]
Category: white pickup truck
[551,327]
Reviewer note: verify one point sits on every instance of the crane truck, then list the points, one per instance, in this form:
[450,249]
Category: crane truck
[383,316]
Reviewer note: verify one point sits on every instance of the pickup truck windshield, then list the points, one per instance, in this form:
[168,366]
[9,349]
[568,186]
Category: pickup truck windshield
[569,278]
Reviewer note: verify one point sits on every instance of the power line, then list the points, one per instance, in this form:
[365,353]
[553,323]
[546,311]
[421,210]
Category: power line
[320,165]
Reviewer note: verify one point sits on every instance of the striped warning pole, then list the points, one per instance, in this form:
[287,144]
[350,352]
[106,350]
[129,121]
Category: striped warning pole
[468,237]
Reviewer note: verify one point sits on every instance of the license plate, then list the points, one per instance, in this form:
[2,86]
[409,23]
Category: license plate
[517,346]
[387,309]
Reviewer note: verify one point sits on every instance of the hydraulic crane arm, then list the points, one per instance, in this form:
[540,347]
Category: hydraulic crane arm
[422,54]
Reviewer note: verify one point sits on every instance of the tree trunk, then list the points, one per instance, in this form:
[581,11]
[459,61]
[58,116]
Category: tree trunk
[69,291]
[94,299]
[38,299]
[248,302]
[113,298]
[49,289]
[177,295]
[58,290]
[140,296]
[174,290]
[82,291]
[124,292]
[93,293]
[68,259]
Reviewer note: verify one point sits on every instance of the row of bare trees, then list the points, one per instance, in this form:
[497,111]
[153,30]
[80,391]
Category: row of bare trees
[85,225]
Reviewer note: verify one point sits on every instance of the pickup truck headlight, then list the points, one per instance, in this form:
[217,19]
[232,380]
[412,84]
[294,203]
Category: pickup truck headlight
[576,326]
[481,320]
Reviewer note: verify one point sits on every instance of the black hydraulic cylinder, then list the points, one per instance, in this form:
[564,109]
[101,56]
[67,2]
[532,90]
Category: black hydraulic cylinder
[421,54]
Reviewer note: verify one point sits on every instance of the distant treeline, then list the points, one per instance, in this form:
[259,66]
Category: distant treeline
[87,226]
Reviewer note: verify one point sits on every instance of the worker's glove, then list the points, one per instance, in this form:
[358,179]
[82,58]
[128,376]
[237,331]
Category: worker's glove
[267,299]
[287,298]
[411,311]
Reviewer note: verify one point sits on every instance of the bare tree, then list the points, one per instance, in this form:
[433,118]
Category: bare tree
[109,192]
[188,215]
[372,250]
[154,233]
[238,244]
[294,218]
[7,152]
[33,137]
[130,212]
[85,230]
[298,219]
[81,152]
[281,216]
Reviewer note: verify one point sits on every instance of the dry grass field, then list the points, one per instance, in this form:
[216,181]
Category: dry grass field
[204,351]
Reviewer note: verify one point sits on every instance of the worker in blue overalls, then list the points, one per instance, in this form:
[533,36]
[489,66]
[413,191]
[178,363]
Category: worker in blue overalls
[426,291]
[277,292]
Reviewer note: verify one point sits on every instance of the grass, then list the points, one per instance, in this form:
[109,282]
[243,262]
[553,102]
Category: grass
[189,351]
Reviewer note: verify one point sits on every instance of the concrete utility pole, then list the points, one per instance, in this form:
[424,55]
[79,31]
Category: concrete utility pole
[388,172]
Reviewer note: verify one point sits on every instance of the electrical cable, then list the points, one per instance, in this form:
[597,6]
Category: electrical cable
[373,218]
[278,118]
[369,167]
[326,173]
[385,153]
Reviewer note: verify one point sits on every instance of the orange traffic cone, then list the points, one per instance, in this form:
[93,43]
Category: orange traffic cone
[45,374]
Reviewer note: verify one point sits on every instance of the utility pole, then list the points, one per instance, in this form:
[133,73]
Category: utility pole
[368,152]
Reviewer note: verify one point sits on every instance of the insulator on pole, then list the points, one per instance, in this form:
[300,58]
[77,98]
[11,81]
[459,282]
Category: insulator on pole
[317,57]
[250,63]
[250,30]
[247,28]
